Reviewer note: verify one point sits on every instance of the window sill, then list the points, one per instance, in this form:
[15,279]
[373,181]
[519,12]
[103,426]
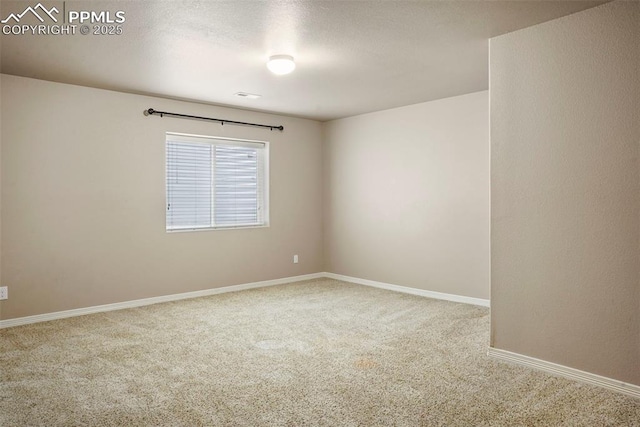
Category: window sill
[235,227]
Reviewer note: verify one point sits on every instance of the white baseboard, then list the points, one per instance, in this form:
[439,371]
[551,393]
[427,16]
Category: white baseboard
[186,295]
[412,291]
[154,300]
[566,372]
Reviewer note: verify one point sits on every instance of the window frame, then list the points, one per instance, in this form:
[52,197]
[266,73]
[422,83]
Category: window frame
[213,140]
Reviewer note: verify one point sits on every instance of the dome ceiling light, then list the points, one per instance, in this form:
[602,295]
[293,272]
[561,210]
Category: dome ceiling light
[281,64]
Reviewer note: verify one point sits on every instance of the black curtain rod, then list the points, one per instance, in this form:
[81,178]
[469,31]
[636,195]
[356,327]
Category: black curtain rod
[152,112]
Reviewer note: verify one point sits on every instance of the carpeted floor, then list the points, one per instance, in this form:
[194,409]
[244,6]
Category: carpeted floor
[316,353]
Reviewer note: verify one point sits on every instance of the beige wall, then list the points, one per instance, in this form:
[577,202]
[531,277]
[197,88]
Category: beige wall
[407,196]
[565,191]
[83,201]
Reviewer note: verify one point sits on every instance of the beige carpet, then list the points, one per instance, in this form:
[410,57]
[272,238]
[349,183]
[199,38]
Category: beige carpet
[317,353]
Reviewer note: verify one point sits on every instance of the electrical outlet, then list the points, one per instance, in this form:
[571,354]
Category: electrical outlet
[295,259]
[4,292]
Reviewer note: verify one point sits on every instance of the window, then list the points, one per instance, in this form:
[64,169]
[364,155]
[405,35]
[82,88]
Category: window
[216,183]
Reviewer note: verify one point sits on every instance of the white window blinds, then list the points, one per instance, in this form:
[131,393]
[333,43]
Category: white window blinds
[215,183]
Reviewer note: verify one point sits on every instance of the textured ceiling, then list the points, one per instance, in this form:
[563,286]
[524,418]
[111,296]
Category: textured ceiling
[352,56]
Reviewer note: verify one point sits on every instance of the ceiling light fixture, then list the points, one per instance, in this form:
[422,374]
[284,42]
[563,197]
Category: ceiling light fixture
[281,64]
